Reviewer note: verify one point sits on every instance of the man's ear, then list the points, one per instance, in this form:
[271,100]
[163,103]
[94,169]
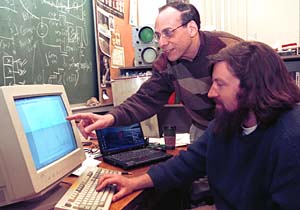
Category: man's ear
[192,28]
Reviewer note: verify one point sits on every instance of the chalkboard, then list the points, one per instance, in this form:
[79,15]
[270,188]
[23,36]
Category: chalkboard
[49,42]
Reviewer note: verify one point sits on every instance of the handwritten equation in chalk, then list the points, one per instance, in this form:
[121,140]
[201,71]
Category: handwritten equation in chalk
[46,42]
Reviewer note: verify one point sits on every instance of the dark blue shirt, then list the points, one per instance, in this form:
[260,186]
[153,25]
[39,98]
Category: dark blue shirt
[253,172]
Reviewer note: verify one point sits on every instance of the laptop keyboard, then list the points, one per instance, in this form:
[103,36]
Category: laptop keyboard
[138,155]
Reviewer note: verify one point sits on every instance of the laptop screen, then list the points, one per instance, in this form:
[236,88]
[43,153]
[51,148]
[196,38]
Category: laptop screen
[116,139]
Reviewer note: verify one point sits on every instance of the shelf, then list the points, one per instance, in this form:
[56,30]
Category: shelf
[290,57]
[82,108]
[135,70]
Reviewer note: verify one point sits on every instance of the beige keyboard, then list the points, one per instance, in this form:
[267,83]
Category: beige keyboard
[82,194]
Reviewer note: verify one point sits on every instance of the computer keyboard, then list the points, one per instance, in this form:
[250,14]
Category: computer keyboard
[82,193]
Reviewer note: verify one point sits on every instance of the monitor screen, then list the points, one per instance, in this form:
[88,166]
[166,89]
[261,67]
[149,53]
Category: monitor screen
[49,137]
[39,147]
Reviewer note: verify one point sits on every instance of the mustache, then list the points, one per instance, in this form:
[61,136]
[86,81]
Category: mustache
[217,102]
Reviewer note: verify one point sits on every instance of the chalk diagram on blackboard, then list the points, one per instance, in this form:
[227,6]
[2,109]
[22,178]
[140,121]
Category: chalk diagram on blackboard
[44,42]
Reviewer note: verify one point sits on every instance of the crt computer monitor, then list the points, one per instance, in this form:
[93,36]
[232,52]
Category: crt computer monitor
[38,146]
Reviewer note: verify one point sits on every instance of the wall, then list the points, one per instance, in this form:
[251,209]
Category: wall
[274,21]
[224,15]
[269,21]
[148,10]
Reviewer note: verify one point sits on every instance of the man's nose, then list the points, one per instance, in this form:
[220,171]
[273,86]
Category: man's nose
[163,41]
[212,92]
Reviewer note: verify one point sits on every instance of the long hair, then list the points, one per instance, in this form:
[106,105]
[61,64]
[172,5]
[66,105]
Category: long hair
[266,86]
[188,12]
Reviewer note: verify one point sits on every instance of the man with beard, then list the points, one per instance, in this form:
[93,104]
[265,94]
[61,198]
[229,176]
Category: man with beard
[250,151]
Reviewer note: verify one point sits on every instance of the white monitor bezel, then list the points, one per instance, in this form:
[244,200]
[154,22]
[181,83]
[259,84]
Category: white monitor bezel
[36,182]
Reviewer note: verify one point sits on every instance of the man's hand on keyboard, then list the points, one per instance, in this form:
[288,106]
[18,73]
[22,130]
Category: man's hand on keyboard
[124,185]
[82,194]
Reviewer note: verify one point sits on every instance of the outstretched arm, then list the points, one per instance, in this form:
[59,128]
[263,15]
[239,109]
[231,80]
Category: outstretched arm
[88,122]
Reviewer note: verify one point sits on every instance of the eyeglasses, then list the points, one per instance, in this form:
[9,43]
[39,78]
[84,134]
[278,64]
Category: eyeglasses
[167,32]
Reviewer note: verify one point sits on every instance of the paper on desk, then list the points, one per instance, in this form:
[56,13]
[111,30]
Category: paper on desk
[88,162]
[182,139]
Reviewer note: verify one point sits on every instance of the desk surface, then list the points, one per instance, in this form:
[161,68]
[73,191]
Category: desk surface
[132,200]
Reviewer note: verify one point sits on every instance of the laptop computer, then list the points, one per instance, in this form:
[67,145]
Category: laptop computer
[126,147]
